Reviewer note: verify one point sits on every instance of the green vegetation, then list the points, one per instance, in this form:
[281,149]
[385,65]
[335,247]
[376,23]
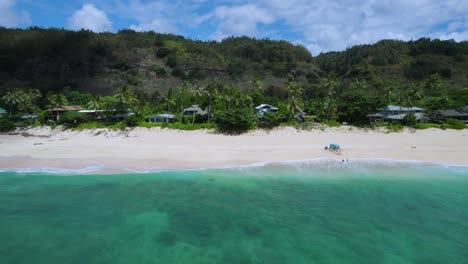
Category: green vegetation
[454,124]
[150,73]
[90,125]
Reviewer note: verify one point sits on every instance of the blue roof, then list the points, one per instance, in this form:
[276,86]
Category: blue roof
[2,111]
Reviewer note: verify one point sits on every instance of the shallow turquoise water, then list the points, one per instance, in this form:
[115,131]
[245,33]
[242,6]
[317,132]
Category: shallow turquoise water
[290,213]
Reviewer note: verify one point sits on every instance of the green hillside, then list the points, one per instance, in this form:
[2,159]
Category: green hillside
[51,59]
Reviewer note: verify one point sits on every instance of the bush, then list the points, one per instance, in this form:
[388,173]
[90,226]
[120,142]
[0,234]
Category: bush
[394,127]
[90,125]
[235,121]
[70,118]
[181,126]
[409,120]
[270,120]
[118,126]
[6,125]
[331,123]
[426,125]
[455,124]
[133,121]
[149,124]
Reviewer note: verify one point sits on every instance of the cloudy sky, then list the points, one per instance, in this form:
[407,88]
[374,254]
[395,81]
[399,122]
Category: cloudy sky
[319,25]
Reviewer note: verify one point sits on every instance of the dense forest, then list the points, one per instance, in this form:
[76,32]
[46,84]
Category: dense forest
[159,70]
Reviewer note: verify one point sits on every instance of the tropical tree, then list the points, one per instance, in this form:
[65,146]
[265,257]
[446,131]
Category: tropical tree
[95,103]
[57,101]
[12,99]
[126,98]
[433,84]
[295,103]
[212,94]
[329,84]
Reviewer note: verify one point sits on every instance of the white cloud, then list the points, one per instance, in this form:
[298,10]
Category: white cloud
[337,24]
[89,17]
[320,25]
[9,17]
[157,25]
[238,20]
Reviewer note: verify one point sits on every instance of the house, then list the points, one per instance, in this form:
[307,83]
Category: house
[442,115]
[30,116]
[194,110]
[396,112]
[264,108]
[162,118]
[92,114]
[2,111]
[58,110]
[121,117]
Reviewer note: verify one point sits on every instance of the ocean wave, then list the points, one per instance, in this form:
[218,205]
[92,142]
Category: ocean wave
[55,170]
[325,163]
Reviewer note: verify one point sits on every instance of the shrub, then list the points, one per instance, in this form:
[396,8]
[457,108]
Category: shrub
[70,118]
[90,125]
[235,121]
[426,125]
[133,121]
[331,123]
[149,125]
[6,125]
[181,126]
[455,124]
[409,120]
[270,120]
[394,127]
[118,126]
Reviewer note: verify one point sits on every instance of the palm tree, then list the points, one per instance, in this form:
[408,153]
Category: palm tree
[169,101]
[34,95]
[294,99]
[12,99]
[197,92]
[213,95]
[329,84]
[126,98]
[57,101]
[95,103]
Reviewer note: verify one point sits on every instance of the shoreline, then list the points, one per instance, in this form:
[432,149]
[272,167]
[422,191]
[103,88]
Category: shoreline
[316,163]
[101,151]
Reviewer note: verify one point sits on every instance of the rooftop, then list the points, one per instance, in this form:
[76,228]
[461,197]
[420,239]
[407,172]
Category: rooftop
[66,108]
[2,111]
[266,106]
[163,116]
[401,108]
[451,112]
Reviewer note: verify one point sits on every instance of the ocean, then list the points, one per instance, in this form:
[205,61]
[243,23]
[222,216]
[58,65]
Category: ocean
[317,211]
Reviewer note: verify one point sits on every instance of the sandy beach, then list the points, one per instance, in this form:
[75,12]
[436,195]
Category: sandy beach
[143,149]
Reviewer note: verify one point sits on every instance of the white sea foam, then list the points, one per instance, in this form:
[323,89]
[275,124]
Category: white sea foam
[298,165]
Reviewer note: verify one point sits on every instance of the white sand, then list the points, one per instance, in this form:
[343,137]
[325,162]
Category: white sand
[151,149]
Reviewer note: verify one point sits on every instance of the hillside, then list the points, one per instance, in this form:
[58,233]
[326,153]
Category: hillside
[401,62]
[51,59]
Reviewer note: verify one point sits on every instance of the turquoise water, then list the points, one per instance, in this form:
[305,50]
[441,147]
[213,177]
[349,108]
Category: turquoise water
[291,213]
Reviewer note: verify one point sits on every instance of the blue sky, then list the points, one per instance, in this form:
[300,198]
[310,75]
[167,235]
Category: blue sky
[319,25]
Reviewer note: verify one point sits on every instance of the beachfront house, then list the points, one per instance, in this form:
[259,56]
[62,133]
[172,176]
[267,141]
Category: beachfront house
[396,113]
[92,114]
[442,115]
[264,108]
[162,118]
[194,110]
[2,111]
[55,112]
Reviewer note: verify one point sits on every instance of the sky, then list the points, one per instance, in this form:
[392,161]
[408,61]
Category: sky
[319,25]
